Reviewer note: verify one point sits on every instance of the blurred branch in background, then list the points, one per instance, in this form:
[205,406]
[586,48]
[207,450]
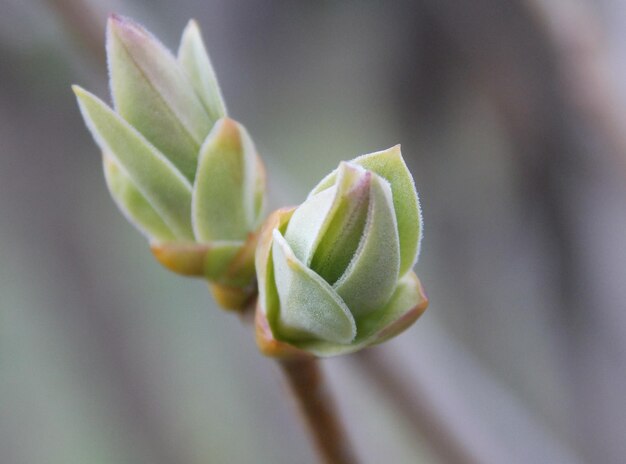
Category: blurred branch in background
[544,67]
[588,77]
[415,403]
[85,24]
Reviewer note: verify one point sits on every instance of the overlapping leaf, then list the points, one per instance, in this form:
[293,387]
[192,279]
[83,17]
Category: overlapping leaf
[389,165]
[153,94]
[158,180]
[194,59]
[224,194]
[309,307]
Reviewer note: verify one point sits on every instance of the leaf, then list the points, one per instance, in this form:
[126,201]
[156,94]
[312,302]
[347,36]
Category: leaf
[259,192]
[325,230]
[133,204]
[223,205]
[371,277]
[162,185]
[264,265]
[406,305]
[309,307]
[154,94]
[220,258]
[343,227]
[307,222]
[194,59]
[389,165]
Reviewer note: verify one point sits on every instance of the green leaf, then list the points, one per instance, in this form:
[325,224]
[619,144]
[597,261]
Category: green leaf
[389,165]
[194,59]
[306,223]
[325,230]
[224,192]
[162,185]
[133,204]
[259,192]
[371,277]
[153,93]
[219,257]
[343,227]
[407,303]
[264,264]
[309,307]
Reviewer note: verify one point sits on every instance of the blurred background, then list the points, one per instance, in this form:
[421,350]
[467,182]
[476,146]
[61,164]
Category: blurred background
[512,118]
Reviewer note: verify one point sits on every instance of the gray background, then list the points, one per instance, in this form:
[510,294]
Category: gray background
[511,117]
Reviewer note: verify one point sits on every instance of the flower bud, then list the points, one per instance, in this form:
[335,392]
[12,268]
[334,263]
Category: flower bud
[187,176]
[335,273]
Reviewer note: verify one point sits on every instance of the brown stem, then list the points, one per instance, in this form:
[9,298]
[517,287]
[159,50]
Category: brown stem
[318,410]
[415,406]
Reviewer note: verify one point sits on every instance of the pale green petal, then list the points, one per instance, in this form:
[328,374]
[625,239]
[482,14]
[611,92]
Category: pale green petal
[404,308]
[268,293]
[344,225]
[264,264]
[133,204]
[307,221]
[225,187]
[154,94]
[390,165]
[309,307]
[325,230]
[194,59]
[153,174]
[371,277]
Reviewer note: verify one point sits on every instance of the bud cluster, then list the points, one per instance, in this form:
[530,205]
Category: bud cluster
[333,275]
[187,176]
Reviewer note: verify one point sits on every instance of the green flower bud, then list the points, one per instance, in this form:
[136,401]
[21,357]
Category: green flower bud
[335,274]
[182,172]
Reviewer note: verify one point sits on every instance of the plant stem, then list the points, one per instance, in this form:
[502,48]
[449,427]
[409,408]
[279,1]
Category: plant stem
[318,410]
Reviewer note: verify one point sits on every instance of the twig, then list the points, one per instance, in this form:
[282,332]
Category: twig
[318,410]
[315,402]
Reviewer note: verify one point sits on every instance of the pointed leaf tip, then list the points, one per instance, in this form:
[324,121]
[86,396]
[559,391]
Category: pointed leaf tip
[191,27]
[125,28]
[194,59]
[153,93]
[115,17]
[227,132]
